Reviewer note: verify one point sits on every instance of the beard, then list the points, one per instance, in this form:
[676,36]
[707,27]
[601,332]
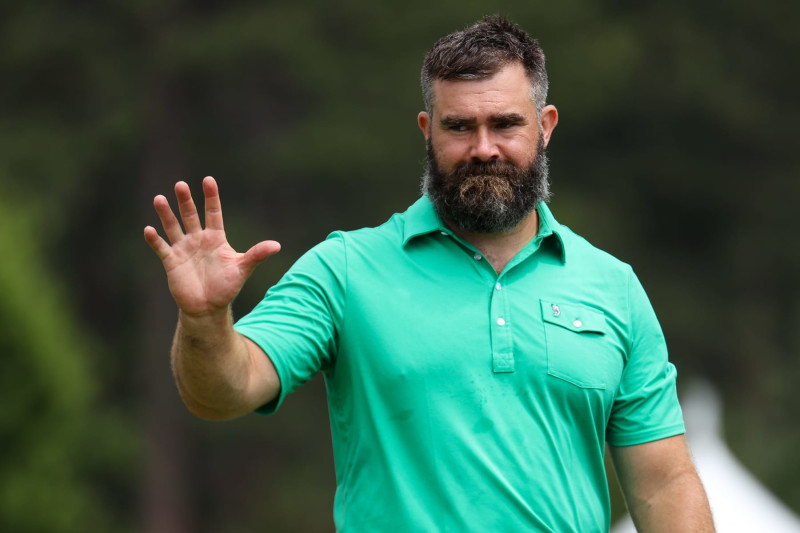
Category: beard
[486,197]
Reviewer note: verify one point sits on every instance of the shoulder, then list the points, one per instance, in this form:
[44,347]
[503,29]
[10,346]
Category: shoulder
[382,238]
[583,254]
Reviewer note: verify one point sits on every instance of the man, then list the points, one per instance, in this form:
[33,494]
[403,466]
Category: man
[478,356]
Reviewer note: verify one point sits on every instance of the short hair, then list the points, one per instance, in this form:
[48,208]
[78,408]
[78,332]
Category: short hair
[479,52]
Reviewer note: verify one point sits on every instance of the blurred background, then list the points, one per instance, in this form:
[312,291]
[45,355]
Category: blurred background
[677,151]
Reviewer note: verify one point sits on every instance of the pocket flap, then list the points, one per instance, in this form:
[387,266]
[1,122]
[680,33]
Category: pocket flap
[574,317]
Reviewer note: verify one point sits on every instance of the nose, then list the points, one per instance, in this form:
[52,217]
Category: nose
[484,148]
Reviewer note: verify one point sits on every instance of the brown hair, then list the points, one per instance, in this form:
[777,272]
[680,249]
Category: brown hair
[479,52]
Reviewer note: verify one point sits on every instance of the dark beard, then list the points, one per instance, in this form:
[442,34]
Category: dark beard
[490,197]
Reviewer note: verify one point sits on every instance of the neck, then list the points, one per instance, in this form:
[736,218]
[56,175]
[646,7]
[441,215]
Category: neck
[499,248]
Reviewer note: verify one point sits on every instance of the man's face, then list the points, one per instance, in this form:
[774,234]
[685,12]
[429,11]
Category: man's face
[486,167]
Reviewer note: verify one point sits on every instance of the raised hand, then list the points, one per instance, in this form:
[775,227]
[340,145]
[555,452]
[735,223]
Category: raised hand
[204,272]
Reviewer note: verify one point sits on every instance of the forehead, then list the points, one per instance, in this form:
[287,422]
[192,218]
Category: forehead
[509,90]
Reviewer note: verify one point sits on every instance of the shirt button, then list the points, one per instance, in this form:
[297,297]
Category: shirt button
[501,322]
[577,323]
[444,233]
[498,286]
[477,257]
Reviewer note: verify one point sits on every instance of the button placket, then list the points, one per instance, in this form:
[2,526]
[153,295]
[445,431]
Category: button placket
[500,324]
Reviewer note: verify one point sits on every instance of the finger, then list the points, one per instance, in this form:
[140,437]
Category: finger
[159,245]
[189,216]
[258,253]
[213,204]
[168,220]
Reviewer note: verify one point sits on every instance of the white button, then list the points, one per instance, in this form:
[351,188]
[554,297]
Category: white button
[444,233]
[577,323]
[498,286]
[477,257]
[501,322]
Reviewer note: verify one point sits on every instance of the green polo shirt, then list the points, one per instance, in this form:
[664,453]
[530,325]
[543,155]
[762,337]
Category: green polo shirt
[465,400]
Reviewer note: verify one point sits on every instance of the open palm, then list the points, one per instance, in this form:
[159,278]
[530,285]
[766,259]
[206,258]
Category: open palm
[204,272]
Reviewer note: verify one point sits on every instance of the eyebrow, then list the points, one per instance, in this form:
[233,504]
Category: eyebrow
[506,118]
[501,118]
[457,121]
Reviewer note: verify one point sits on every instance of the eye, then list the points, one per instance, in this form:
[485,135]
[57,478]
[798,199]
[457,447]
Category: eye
[458,127]
[505,125]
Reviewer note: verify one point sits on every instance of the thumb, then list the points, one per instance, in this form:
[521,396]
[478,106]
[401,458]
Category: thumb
[258,253]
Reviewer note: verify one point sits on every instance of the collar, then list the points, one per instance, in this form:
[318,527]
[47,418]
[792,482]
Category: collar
[421,218]
[551,231]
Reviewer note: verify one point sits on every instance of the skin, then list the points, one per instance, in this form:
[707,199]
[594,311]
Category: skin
[661,487]
[221,374]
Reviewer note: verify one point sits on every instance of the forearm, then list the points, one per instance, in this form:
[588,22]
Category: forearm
[679,506]
[212,366]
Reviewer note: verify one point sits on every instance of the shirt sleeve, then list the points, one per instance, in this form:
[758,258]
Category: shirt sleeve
[297,322]
[646,407]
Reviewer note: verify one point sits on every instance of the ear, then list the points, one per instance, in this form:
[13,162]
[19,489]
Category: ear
[424,121]
[548,118]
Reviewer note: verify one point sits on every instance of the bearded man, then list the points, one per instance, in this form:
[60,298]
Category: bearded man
[478,355]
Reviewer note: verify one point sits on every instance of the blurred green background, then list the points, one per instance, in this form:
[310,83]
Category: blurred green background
[677,151]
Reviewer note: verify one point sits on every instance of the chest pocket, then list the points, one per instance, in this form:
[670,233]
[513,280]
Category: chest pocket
[577,350]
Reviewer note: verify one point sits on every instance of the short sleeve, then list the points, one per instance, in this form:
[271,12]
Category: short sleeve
[297,322]
[646,407]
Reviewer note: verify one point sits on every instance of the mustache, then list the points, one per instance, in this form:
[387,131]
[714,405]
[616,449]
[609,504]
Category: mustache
[485,169]
[477,190]
[477,181]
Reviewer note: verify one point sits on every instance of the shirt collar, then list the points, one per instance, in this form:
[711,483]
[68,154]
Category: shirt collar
[421,218]
[550,230]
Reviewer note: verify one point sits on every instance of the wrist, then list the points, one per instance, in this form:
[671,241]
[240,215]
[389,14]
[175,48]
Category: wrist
[214,321]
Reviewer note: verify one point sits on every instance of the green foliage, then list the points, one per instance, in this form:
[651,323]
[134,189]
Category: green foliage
[47,426]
